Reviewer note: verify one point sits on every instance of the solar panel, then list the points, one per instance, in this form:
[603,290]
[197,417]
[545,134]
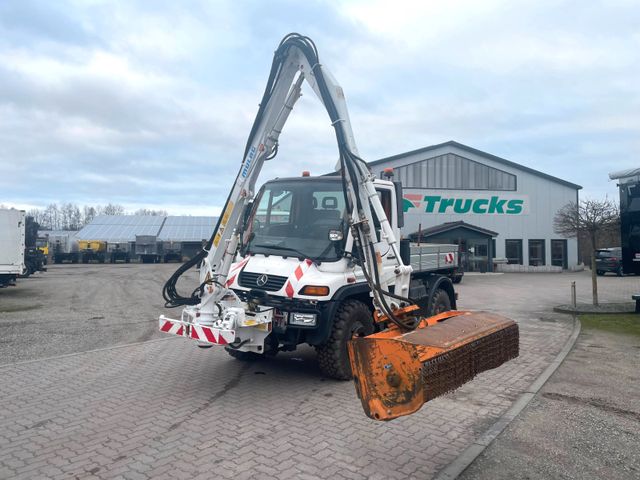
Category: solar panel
[124,228]
[120,228]
[187,229]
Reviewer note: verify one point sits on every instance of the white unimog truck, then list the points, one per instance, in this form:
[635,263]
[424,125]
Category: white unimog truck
[296,259]
[320,260]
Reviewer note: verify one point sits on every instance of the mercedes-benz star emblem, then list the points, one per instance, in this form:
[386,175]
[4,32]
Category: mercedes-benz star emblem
[262,280]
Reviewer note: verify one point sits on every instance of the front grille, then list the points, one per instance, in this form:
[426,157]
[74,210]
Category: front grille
[250,280]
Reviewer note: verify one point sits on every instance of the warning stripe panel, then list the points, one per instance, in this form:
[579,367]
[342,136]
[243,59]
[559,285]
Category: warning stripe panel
[197,332]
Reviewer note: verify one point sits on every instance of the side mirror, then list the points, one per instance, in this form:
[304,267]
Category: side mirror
[247,214]
[335,235]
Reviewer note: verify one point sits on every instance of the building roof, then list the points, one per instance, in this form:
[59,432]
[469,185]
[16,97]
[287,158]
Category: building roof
[448,226]
[125,228]
[480,153]
[120,228]
[187,229]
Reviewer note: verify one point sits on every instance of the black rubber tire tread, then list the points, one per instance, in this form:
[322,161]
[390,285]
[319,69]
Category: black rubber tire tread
[333,356]
[243,356]
[440,302]
[599,272]
[456,279]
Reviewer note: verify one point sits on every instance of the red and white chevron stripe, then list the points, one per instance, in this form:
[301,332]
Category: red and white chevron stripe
[235,269]
[167,326]
[449,257]
[212,335]
[294,280]
[197,332]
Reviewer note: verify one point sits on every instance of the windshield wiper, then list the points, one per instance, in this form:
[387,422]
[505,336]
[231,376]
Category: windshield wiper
[282,247]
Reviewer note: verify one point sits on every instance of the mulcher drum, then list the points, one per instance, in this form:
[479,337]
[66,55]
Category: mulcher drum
[396,373]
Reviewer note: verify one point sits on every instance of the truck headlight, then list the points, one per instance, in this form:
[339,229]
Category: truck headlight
[303,319]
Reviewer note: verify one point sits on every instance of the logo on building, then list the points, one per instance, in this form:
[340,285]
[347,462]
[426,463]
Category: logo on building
[472,204]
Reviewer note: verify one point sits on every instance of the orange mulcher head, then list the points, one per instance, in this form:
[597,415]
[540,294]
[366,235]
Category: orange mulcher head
[397,372]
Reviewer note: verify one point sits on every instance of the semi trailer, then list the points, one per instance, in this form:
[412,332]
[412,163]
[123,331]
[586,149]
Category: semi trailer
[64,246]
[147,248]
[12,245]
[119,252]
[93,251]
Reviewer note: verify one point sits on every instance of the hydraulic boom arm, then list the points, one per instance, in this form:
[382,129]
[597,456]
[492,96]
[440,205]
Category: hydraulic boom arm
[295,61]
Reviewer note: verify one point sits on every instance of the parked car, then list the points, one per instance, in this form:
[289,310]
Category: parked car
[609,260]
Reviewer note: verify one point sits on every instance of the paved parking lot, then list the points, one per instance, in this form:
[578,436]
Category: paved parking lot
[166,408]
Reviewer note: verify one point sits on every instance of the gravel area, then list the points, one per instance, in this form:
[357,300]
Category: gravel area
[584,423]
[75,308]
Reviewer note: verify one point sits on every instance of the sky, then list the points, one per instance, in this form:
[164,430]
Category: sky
[148,104]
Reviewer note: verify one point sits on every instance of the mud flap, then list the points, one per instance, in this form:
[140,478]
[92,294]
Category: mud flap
[396,373]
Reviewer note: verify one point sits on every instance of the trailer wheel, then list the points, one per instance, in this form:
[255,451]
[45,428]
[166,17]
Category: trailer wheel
[456,279]
[353,318]
[243,356]
[440,302]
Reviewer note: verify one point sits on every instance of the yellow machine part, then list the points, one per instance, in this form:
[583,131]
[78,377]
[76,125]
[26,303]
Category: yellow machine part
[94,245]
[397,372]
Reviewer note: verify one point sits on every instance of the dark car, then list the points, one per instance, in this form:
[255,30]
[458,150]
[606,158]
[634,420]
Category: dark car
[609,260]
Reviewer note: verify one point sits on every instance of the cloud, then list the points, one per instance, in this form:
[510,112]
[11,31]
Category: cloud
[150,107]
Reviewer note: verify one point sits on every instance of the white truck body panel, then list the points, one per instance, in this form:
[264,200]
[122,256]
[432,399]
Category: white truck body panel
[429,257]
[12,239]
[63,242]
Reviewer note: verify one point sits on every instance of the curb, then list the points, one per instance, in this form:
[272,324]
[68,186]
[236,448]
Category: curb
[462,461]
[604,309]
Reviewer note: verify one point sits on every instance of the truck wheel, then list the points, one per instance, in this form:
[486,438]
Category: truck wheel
[353,318]
[439,303]
[456,279]
[599,272]
[243,356]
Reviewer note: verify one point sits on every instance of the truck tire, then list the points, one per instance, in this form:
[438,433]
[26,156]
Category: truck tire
[243,356]
[439,303]
[456,279]
[353,318]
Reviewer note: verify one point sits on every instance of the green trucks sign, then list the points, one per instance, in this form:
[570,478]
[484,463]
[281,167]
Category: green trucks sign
[478,204]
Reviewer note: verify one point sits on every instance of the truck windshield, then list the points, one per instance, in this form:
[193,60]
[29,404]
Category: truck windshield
[302,219]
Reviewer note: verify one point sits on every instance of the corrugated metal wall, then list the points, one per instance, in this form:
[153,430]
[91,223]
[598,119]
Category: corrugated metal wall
[451,171]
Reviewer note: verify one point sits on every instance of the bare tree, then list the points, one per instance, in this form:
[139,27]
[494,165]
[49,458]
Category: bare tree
[149,212]
[113,209]
[590,218]
[89,213]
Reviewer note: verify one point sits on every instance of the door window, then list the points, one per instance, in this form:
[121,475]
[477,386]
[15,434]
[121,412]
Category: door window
[536,253]
[559,253]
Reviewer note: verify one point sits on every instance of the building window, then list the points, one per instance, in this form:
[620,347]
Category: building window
[536,253]
[513,251]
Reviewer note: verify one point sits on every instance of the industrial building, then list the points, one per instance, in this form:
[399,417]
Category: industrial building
[499,212]
[160,237]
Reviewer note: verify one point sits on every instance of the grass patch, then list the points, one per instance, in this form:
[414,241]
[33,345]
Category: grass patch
[621,323]
[19,308]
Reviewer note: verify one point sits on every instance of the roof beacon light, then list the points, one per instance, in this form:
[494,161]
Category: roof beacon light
[388,172]
[306,173]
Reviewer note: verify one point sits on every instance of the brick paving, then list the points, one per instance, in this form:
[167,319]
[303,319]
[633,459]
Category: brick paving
[167,409]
